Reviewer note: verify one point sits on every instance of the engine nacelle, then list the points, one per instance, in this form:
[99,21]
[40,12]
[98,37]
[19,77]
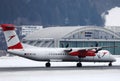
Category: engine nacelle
[82,53]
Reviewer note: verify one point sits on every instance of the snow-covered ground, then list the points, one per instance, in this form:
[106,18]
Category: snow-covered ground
[23,62]
[75,75]
[55,75]
[113,17]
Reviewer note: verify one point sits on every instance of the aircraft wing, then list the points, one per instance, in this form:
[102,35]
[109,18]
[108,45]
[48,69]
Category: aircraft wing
[87,51]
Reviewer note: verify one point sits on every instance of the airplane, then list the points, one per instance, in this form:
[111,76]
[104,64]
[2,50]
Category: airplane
[81,54]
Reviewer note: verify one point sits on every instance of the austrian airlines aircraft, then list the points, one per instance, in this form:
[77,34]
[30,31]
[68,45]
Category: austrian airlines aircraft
[86,54]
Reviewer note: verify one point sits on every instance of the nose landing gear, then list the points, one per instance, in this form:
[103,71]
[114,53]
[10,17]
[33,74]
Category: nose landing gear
[48,64]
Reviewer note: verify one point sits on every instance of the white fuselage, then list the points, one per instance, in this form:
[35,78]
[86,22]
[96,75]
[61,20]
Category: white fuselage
[58,54]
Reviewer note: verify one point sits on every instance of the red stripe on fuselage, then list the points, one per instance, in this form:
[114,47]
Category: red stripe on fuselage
[7,27]
[17,46]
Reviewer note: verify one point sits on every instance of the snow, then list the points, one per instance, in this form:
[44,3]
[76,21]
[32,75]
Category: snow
[113,17]
[55,75]
[23,62]
[75,75]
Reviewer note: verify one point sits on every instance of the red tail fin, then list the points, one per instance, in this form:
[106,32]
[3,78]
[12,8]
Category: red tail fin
[11,37]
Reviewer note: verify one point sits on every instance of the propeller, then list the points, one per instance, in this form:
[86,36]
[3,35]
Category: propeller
[66,46]
[97,50]
[68,50]
[96,44]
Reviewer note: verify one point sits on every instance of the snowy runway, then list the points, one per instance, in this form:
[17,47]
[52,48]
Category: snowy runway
[60,68]
[61,75]
[20,69]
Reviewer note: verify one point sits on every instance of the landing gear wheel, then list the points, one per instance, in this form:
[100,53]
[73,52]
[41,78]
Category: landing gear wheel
[110,64]
[48,64]
[79,64]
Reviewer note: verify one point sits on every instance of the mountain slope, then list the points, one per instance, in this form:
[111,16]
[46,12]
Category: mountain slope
[49,12]
[55,12]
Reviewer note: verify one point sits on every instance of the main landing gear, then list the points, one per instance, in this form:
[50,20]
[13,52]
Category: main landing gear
[110,64]
[79,64]
[48,64]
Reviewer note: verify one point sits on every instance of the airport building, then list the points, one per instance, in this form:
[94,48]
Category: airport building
[75,36]
[27,29]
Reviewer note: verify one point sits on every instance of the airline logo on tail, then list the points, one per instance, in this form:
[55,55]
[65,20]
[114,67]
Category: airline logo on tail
[11,37]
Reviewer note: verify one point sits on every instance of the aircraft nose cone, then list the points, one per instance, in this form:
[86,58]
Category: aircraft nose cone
[113,58]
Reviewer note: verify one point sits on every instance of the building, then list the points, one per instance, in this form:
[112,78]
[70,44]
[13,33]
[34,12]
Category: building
[77,36]
[114,28]
[27,29]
